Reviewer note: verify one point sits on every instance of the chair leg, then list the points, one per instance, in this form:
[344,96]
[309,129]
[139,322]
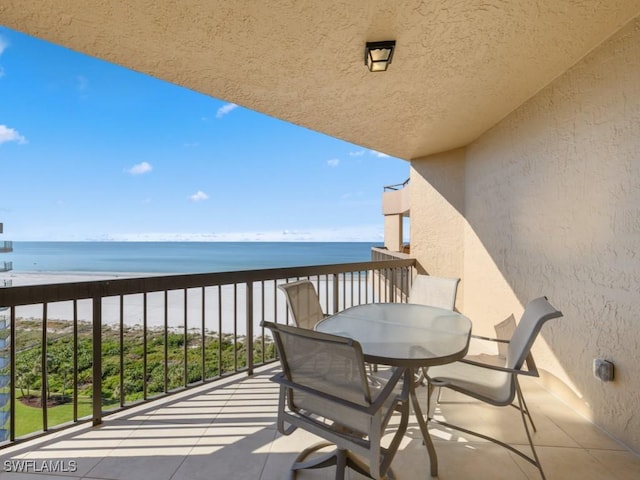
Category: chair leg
[526,408]
[341,464]
[341,458]
[325,460]
[534,459]
[522,409]
[430,404]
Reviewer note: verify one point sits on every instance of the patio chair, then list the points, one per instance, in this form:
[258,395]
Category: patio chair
[303,303]
[434,291]
[504,331]
[324,389]
[494,384]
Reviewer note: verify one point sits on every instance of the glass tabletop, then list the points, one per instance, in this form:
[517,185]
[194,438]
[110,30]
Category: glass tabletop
[402,334]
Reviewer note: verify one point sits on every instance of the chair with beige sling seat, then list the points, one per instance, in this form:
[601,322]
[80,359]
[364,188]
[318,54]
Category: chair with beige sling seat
[434,291]
[324,390]
[498,385]
[504,331]
[303,302]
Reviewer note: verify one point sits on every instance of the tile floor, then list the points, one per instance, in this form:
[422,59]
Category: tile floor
[227,431]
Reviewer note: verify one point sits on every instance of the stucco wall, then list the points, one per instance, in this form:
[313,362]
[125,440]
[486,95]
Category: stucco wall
[552,207]
[437,222]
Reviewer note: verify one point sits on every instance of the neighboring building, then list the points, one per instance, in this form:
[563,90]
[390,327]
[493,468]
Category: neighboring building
[5,247]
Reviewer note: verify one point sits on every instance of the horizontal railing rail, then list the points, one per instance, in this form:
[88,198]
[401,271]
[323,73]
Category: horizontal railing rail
[75,352]
[397,186]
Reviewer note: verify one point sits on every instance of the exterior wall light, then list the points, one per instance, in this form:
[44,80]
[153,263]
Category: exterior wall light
[378,55]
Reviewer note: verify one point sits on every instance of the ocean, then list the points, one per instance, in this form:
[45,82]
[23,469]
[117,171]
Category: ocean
[179,257]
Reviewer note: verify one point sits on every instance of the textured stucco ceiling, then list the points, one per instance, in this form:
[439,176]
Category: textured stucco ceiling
[460,65]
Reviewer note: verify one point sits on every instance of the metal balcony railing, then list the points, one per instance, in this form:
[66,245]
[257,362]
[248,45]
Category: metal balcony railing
[6,246]
[6,266]
[105,346]
[397,186]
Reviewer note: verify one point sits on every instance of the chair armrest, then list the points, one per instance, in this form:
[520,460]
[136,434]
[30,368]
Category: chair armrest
[281,379]
[489,339]
[529,373]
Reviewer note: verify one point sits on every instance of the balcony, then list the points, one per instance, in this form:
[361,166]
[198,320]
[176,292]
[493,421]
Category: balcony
[6,266]
[6,246]
[395,207]
[216,417]
[396,200]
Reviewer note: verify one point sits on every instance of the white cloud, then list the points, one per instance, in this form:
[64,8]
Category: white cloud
[358,197]
[198,196]
[358,153]
[334,162]
[3,47]
[222,111]
[361,233]
[82,83]
[140,168]
[10,135]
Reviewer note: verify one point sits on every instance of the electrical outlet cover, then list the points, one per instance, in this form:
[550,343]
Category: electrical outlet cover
[603,369]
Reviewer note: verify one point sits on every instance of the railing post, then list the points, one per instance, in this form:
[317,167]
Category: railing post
[336,293]
[97,360]
[249,310]
[12,377]
[44,366]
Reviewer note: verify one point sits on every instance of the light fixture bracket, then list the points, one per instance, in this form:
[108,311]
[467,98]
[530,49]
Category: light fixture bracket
[378,55]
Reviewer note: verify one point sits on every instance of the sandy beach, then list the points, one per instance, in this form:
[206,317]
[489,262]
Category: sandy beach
[221,312]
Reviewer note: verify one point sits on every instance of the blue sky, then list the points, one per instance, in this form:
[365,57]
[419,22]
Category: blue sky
[93,151]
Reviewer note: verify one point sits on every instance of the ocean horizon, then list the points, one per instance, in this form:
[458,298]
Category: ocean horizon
[178,257]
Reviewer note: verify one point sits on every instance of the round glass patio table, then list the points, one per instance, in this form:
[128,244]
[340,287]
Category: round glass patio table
[408,336]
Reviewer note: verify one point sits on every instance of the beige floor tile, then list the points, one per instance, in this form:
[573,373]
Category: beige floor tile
[142,465]
[71,464]
[561,463]
[504,423]
[473,460]
[214,432]
[238,459]
[34,476]
[623,465]
[220,436]
[85,446]
[583,432]
[283,452]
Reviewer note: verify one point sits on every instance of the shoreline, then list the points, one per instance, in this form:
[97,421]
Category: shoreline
[216,308]
[42,277]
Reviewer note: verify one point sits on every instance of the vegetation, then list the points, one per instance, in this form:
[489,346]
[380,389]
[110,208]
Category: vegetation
[184,364]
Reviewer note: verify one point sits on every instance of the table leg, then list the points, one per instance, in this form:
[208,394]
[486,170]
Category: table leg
[433,459]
